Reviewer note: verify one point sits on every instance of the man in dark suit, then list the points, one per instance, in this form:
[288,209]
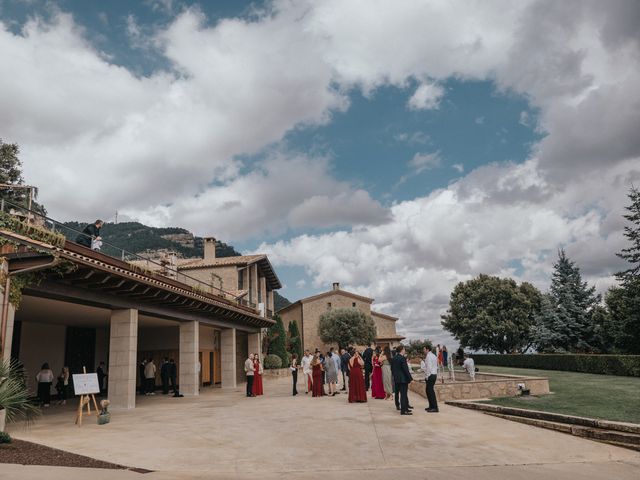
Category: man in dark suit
[402,378]
[344,367]
[367,356]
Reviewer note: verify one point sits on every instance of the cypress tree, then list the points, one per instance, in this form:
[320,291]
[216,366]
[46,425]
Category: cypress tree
[278,340]
[295,339]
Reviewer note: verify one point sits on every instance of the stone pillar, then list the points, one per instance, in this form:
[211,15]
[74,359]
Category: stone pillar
[189,381]
[8,337]
[228,357]
[123,350]
[255,344]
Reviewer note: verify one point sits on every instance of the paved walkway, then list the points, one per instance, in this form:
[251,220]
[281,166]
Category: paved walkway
[223,434]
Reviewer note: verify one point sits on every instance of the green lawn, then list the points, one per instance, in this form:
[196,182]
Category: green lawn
[583,394]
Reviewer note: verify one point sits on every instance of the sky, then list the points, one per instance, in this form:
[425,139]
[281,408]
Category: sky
[395,147]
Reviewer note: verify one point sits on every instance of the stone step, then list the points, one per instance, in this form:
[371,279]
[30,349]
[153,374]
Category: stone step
[631,428]
[621,439]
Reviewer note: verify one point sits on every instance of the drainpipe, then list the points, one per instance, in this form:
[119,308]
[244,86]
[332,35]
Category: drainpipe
[5,299]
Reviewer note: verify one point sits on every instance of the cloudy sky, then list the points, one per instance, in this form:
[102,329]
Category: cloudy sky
[397,147]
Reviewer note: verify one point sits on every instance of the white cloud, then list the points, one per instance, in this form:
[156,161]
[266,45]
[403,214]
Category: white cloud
[459,167]
[426,97]
[425,161]
[479,120]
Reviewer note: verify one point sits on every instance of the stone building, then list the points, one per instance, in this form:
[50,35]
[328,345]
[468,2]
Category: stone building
[307,311]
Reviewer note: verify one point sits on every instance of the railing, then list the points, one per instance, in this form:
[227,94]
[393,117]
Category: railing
[32,217]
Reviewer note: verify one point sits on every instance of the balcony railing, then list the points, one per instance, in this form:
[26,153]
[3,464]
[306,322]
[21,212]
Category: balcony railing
[33,224]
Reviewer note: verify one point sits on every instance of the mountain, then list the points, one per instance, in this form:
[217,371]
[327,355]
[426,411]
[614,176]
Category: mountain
[134,237]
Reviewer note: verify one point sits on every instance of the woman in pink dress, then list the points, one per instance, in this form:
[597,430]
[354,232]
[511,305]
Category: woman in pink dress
[377,387]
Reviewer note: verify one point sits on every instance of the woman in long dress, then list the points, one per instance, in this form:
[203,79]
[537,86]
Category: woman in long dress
[317,374]
[357,393]
[387,377]
[257,376]
[331,373]
[377,389]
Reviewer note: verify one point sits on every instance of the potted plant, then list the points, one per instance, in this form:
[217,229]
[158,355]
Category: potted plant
[14,398]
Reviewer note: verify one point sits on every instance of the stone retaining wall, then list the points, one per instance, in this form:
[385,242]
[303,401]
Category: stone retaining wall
[485,386]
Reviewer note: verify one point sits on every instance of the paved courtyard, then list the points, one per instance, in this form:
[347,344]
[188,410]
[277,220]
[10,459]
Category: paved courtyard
[222,434]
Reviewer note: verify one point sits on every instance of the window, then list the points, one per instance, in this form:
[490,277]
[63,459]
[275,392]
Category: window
[328,305]
[240,279]
[353,304]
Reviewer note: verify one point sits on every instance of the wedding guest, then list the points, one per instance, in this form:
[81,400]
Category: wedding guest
[101,376]
[445,356]
[377,388]
[44,379]
[337,362]
[164,375]
[317,372]
[357,391]
[402,378]
[331,373]
[344,366]
[63,386]
[470,366]
[306,370]
[173,375]
[387,378]
[249,371]
[294,373]
[429,366]
[367,355]
[257,376]
[150,377]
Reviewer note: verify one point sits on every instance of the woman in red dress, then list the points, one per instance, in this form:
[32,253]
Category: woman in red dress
[257,376]
[316,369]
[377,387]
[357,393]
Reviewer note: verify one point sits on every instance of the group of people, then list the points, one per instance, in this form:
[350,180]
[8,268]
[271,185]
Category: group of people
[168,376]
[253,370]
[384,371]
[63,384]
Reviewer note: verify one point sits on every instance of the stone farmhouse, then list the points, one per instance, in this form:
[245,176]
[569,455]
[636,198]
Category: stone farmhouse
[306,312]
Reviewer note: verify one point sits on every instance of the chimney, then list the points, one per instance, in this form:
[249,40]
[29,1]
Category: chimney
[336,285]
[209,248]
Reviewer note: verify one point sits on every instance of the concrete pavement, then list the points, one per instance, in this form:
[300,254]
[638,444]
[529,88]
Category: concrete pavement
[222,434]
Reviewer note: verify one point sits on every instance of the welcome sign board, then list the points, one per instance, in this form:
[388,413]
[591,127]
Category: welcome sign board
[85,383]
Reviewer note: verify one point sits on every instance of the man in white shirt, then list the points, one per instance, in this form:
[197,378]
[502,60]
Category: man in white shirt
[470,366]
[150,377]
[306,369]
[249,372]
[429,367]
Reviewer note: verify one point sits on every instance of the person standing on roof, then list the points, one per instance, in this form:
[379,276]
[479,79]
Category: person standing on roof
[90,234]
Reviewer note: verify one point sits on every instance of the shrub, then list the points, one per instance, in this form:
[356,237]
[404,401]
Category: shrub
[278,340]
[5,437]
[272,361]
[624,365]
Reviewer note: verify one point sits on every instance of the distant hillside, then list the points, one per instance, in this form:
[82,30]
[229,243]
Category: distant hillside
[135,237]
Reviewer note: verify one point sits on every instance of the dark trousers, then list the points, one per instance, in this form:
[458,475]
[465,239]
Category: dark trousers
[172,381]
[294,374]
[367,377]
[344,381]
[396,394]
[404,396]
[165,384]
[150,385]
[431,392]
[249,385]
[44,392]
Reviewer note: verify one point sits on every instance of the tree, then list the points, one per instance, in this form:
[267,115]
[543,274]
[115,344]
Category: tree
[346,326]
[415,348]
[278,340]
[11,174]
[493,314]
[623,302]
[566,319]
[295,339]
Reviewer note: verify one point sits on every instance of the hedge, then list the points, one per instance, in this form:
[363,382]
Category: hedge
[272,361]
[625,365]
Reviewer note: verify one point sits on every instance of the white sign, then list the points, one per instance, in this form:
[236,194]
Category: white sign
[85,383]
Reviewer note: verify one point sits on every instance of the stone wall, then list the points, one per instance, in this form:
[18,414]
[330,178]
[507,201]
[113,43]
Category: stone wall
[485,386]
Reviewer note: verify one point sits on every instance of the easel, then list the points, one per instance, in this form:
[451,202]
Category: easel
[85,400]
